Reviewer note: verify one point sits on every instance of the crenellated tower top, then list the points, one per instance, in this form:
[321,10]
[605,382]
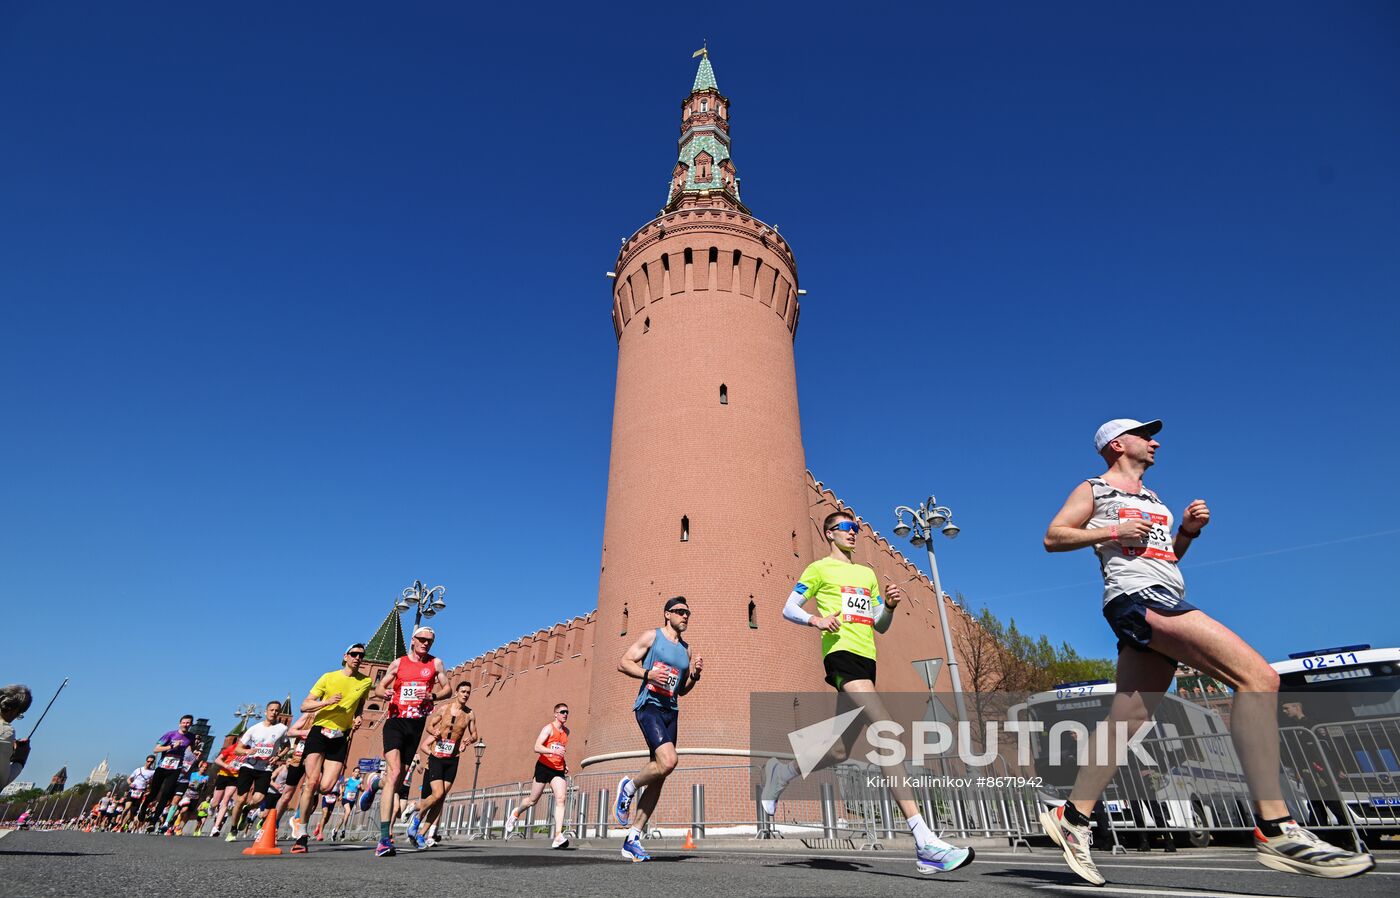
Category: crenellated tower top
[704,174]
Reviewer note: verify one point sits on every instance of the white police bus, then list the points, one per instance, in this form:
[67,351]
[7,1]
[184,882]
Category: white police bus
[1339,718]
[1196,786]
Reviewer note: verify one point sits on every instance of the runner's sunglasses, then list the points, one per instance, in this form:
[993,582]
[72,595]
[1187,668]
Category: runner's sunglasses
[850,526]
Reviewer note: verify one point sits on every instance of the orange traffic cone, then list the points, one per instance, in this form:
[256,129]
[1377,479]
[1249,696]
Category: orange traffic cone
[689,844]
[267,839]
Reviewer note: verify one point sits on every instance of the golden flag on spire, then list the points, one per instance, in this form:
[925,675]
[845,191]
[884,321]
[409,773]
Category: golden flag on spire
[703,51]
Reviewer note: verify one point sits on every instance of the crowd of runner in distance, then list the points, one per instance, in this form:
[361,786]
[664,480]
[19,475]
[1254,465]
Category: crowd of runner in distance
[275,767]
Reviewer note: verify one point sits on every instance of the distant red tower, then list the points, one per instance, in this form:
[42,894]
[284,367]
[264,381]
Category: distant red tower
[707,493]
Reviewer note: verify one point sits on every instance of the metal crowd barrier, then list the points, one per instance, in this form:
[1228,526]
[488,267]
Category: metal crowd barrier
[1342,777]
[723,800]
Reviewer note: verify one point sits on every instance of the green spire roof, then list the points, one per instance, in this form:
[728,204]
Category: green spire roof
[387,643]
[705,76]
[238,728]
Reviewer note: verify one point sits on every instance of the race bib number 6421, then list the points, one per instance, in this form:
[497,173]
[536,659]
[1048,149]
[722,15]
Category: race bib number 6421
[857,605]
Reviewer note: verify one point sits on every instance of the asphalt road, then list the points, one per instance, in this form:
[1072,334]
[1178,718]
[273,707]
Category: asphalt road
[113,866]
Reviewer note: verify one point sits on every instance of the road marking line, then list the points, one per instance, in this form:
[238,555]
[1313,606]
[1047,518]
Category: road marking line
[1179,893]
[900,858]
[1258,869]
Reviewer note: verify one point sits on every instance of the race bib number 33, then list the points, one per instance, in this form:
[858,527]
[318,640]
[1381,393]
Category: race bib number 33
[857,606]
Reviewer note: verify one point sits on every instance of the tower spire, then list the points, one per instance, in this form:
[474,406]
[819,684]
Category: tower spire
[705,75]
[704,174]
[387,642]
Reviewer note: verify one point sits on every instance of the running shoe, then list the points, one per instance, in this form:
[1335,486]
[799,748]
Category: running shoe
[214,834]
[633,851]
[413,828]
[1296,850]
[622,810]
[231,837]
[430,842]
[297,829]
[385,848]
[933,858]
[299,846]
[1074,841]
[776,776]
[561,842]
[511,823]
[418,842]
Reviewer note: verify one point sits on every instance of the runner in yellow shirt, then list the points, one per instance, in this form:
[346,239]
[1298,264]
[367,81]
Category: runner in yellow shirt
[337,699]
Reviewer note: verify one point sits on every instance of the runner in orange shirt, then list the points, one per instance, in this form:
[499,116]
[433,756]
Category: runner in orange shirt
[551,772]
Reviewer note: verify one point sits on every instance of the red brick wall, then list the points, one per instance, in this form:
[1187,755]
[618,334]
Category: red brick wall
[513,695]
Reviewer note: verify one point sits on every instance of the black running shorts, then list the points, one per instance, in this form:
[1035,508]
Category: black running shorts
[546,774]
[1127,615]
[331,748]
[843,667]
[402,734]
[250,780]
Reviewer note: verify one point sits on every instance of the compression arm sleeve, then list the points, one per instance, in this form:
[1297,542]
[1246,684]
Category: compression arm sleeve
[883,619]
[793,609]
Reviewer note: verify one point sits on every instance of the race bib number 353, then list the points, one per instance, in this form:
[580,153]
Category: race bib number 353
[1157,543]
[412,693]
[857,606]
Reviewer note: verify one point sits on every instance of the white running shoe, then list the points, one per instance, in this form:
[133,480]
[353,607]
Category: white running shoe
[943,858]
[622,807]
[776,776]
[561,842]
[1297,850]
[1074,841]
[512,822]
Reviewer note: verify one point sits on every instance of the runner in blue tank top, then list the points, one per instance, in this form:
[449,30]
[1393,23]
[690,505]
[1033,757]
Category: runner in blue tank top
[660,658]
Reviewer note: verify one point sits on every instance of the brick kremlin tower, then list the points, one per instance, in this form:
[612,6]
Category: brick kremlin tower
[707,493]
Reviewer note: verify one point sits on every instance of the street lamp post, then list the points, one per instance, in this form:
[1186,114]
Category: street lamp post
[480,749]
[927,518]
[244,713]
[426,602]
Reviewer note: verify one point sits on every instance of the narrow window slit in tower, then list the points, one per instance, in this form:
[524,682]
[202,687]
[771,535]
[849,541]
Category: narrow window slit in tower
[685,529]
[666,261]
[723,395]
[714,255]
[688,256]
[646,325]
[753,614]
[624,620]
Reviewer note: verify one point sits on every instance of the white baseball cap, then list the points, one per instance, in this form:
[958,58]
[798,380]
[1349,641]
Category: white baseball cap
[425,629]
[1112,430]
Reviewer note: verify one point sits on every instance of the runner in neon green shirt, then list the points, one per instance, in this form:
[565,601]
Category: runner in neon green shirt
[850,611]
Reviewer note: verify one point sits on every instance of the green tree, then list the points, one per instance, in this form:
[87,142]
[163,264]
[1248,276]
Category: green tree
[1000,658]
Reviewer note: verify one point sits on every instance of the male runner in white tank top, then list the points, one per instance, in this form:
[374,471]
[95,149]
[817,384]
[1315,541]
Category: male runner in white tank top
[1145,604]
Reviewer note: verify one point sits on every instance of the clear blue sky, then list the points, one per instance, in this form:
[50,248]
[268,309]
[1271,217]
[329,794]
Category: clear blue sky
[278,337]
